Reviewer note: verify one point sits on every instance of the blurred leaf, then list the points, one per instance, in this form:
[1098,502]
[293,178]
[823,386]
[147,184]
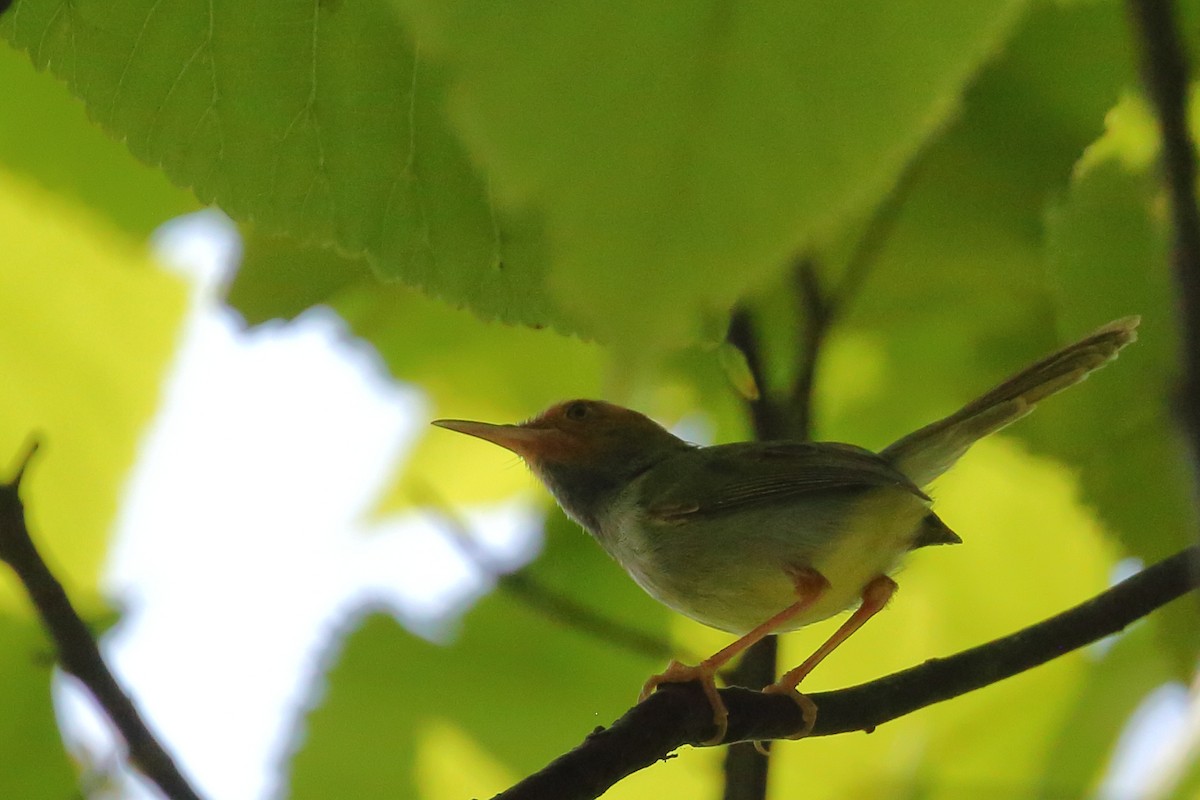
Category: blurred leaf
[737,370]
[450,764]
[279,277]
[1108,244]
[1115,683]
[685,151]
[1188,787]
[316,119]
[36,766]
[522,698]
[958,296]
[86,327]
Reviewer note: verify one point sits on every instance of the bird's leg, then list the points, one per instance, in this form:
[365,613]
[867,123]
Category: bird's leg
[875,596]
[810,585]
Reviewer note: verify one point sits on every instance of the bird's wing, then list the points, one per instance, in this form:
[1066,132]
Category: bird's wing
[726,478]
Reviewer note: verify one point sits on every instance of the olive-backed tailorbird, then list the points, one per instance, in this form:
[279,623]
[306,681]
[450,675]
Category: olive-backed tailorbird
[757,538]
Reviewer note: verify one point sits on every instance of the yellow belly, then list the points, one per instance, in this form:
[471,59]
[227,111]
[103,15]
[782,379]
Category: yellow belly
[736,577]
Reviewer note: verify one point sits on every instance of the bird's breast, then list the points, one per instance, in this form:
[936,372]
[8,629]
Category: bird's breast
[731,571]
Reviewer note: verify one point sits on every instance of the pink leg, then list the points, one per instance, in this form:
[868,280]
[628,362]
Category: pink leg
[874,597]
[810,585]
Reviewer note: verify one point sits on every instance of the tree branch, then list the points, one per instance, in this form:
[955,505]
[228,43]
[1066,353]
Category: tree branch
[746,768]
[77,650]
[678,714]
[1165,72]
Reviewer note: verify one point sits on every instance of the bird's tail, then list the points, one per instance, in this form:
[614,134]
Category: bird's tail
[927,453]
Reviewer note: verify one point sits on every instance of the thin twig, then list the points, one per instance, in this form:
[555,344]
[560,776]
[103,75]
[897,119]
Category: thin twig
[553,604]
[77,650]
[1165,72]
[879,229]
[816,315]
[679,714]
[763,410]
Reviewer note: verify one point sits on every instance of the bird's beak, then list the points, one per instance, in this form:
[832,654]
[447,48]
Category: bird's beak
[525,442]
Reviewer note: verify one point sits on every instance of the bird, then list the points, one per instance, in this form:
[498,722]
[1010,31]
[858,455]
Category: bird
[764,537]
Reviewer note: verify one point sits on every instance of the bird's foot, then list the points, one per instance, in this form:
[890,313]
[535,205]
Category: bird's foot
[807,707]
[706,675]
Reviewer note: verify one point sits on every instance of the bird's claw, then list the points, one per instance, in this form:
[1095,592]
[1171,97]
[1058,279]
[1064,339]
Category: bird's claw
[807,708]
[706,675]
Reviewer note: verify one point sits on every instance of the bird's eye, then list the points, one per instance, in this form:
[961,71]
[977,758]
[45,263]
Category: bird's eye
[577,410]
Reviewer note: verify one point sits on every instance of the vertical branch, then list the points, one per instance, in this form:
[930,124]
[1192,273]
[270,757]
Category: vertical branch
[774,417]
[763,410]
[745,767]
[816,316]
[790,416]
[77,650]
[1165,72]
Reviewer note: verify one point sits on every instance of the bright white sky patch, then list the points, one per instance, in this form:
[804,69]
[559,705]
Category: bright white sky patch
[243,536]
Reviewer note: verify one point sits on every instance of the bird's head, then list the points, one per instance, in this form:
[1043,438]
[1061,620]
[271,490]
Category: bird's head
[585,451]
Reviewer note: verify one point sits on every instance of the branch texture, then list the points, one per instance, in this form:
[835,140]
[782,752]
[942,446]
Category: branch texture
[678,714]
[1165,73]
[77,650]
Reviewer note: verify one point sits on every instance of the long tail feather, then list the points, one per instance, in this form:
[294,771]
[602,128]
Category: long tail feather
[927,453]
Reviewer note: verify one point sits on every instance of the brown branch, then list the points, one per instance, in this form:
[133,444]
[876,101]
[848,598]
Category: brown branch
[77,650]
[1165,72]
[679,714]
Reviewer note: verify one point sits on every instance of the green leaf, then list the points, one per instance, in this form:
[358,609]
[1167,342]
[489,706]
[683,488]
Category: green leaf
[1115,683]
[279,277]
[1108,245]
[1108,248]
[37,766]
[681,152]
[316,119]
[958,296]
[87,324]
[52,141]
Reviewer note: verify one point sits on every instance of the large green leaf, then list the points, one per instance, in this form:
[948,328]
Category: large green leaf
[1108,248]
[959,296]
[1108,244]
[684,150]
[673,151]
[51,141]
[318,119]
